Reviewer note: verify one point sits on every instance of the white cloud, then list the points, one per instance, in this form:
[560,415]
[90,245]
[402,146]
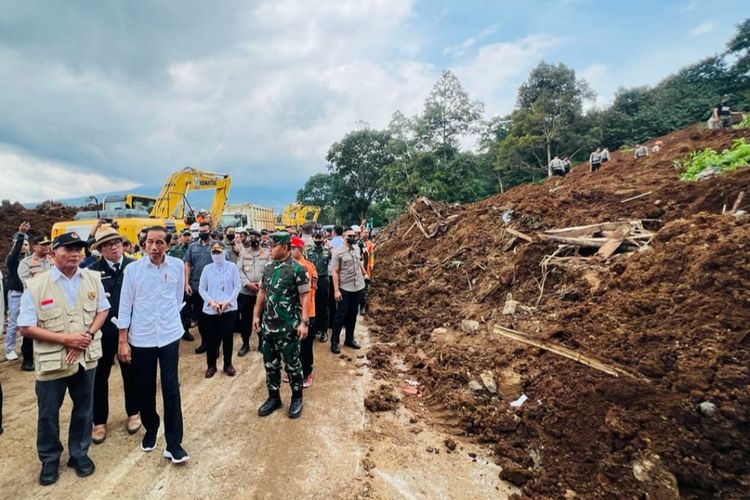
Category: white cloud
[703,29]
[498,68]
[30,179]
[462,48]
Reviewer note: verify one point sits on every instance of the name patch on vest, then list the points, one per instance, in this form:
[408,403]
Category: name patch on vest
[48,303]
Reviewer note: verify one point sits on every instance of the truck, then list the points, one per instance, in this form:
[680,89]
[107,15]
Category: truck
[170,209]
[248,215]
[295,215]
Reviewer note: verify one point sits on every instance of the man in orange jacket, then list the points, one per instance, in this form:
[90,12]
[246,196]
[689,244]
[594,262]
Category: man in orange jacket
[306,348]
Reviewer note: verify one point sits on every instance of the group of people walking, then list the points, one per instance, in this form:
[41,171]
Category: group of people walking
[75,321]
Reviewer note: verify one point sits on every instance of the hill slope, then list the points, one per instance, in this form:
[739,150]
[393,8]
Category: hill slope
[673,318]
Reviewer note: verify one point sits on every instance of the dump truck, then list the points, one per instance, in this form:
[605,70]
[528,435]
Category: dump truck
[248,215]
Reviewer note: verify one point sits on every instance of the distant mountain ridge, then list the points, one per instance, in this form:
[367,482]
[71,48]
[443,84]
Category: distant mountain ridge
[275,198]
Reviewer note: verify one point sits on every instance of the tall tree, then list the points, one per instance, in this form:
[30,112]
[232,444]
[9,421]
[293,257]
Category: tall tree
[356,164]
[448,114]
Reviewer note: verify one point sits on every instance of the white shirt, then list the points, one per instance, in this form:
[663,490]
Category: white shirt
[220,284]
[70,288]
[150,302]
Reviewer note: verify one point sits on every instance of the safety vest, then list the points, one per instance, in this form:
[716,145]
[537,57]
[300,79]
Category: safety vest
[54,314]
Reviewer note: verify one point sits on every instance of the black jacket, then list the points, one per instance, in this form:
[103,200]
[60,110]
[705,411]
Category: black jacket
[11,262]
[112,283]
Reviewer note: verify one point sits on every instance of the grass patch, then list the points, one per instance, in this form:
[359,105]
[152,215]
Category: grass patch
[728,160]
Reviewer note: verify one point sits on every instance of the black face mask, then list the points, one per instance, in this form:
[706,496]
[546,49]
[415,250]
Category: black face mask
[351,240]
[204,236]
[318,243]
[230,237]
[254,243]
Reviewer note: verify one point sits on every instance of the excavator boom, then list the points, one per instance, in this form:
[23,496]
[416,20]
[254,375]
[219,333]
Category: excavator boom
[170,202]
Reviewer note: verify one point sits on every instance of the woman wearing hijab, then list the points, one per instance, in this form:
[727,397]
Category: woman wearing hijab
[219,287]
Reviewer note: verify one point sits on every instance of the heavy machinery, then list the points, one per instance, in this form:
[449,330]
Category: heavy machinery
[248,215]
[170,209]
[296,214]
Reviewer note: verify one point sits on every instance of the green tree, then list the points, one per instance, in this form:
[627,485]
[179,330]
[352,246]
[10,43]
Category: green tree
[356,164]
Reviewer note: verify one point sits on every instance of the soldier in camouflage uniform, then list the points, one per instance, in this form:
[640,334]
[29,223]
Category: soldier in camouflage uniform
[283,299]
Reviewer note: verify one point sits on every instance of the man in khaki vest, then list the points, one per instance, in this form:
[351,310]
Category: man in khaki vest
[62,312]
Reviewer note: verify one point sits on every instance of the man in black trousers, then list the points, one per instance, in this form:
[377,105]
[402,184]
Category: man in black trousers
[348,286]
[111,265]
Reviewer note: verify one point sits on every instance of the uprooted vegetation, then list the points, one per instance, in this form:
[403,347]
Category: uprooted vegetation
[610,308]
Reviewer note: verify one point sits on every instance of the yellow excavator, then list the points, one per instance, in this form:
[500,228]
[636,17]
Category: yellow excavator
[170,209]
[296,215]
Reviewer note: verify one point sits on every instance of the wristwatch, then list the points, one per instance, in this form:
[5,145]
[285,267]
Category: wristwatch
[88,332]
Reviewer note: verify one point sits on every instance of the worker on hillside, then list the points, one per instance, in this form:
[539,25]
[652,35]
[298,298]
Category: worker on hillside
[595,160]
[219,287]
[252,262]
[567,165]
[657,146]
[62,311]
[557,166]
[721,115]
[348,284]
[283,299]
[197,257]
[111,267]
[605,155]
[320,256]
[38,262]
[15,287]
[640,151]
[306,346]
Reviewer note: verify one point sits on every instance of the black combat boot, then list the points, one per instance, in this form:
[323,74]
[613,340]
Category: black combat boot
[272,404]
[295,409]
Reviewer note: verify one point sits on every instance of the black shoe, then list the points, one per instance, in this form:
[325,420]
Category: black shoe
[149,441]
[244,350]
[271,405]
[352,344]
[324,337]
[83,466]
[200,349]
[335,348]
[50,473]
[27,367]
[230,371]
[177,455]
[295,409]
[188,336]
[210,371]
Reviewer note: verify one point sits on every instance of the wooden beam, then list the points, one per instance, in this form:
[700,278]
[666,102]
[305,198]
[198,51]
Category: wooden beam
[525,338]
[737,202]
[636,197]
[519,234]
[611,246]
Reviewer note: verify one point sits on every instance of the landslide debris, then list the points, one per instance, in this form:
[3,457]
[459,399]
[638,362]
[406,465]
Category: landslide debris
[674,316]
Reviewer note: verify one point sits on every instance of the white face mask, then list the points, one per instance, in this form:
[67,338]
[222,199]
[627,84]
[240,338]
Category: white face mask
[218,258]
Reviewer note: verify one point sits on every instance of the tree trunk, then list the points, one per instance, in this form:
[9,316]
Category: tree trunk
[549,158]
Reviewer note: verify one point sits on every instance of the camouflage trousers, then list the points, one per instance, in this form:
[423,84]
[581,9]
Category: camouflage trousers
[278,346]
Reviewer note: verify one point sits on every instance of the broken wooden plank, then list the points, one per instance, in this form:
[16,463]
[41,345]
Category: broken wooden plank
[579,242]
[637,196]
[565,352]
[419,223]
[519,234]
[737,202]
[611,246]
[587,230]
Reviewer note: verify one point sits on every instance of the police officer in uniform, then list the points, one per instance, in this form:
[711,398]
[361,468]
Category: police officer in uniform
[111,266]
[320,256]
[284,302]
[38,262]
[62,312]
[252,262]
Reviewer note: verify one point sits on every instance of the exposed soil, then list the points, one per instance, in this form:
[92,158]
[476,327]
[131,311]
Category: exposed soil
[676,316]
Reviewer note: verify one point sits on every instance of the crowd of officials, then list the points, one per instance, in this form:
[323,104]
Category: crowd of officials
[80,304]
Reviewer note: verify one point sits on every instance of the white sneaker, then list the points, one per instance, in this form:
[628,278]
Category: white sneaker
[11,356]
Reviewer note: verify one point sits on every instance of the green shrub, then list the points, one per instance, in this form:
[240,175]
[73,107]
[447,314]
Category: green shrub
[728,160]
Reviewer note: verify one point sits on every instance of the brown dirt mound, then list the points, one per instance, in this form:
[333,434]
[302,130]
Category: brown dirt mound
[676,316]
[41,219]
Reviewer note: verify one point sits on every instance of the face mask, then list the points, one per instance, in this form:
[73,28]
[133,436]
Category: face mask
[254,243]
[351,240]
[218,258]
[230,237]
[204,236]
[318,243]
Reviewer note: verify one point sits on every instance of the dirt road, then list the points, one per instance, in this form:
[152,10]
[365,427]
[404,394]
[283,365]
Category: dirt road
[336,449]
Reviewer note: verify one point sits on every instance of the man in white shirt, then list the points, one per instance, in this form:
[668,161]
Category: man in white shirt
[150,333]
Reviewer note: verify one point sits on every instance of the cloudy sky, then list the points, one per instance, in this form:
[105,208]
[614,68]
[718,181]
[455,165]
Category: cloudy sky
[101,95]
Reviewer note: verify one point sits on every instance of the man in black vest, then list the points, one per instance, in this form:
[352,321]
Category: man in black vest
[111,265]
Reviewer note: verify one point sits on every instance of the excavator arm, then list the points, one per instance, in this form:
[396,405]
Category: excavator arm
[171,200]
